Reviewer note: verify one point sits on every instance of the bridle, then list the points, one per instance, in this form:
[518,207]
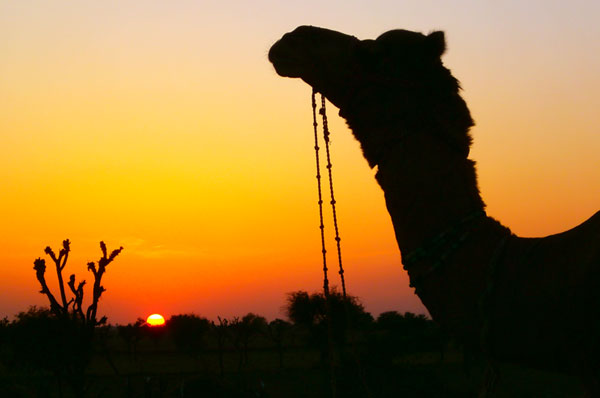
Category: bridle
[438,249]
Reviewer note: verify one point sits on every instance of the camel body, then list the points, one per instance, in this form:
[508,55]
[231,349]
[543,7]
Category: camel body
[534,301]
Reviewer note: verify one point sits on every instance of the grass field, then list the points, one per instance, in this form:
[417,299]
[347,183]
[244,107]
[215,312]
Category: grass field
[159,370]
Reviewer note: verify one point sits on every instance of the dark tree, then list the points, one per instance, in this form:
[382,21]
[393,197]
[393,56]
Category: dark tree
[4,324]
[405,333]
[61,338]
[276,332]
[304,309]
[242,331]
[333,324]
[310,311]
[188,333]
[131,334]
[43,341]
[74,307]
[156,333]
[221,332]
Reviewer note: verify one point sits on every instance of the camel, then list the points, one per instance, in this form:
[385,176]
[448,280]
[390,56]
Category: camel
[531,301]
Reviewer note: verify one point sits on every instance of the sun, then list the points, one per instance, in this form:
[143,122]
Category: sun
[155,320]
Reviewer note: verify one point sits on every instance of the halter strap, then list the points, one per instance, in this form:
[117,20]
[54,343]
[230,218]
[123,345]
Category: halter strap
[441,247]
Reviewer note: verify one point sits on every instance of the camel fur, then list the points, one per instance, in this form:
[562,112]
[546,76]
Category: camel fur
[534,301]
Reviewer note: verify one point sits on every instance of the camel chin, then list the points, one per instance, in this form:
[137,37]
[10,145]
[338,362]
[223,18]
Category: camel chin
[285,68]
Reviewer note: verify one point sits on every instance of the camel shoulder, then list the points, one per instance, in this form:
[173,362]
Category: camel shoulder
[580,243]
[590,227]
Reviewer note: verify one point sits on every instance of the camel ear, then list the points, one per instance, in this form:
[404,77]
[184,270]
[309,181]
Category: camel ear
[435,44]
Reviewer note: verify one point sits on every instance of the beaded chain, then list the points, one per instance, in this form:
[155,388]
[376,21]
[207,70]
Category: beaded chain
[326,133]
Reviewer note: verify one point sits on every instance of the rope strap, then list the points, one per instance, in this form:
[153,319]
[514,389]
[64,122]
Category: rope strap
[440,248]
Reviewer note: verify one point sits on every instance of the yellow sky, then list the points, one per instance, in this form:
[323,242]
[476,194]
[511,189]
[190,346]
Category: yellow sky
[164,129]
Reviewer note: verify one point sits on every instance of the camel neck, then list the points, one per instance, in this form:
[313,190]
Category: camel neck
[428,188]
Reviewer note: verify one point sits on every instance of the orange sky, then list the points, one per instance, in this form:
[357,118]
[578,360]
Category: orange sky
[165,130]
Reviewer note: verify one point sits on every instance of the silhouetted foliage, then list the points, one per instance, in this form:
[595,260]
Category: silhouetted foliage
[43,340]
[393,320]
[4,323]
[242,331]
[188,332]
[131,334]
[276,332]
[4,330]
[221,333]
[73,307]
[5,348]
[310,311]
[156,333]
[329,336]
[390,357]
[303,309]
[400,334]
[59,339]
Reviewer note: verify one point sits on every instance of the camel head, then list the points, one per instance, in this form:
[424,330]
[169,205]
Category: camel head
[338,65]
[395,82]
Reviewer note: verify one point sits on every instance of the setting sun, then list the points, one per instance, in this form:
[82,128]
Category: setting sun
[155,320]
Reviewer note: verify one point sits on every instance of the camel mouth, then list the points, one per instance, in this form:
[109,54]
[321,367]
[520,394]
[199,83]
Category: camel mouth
[284,61]
[285,68]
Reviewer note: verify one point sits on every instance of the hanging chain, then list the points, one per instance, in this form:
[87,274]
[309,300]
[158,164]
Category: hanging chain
[321,226]
[326,133]
[329,166]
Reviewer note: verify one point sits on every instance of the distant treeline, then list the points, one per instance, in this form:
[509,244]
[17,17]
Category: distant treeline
[316,332]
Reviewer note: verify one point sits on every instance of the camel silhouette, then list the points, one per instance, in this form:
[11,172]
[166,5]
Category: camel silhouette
[534,301]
